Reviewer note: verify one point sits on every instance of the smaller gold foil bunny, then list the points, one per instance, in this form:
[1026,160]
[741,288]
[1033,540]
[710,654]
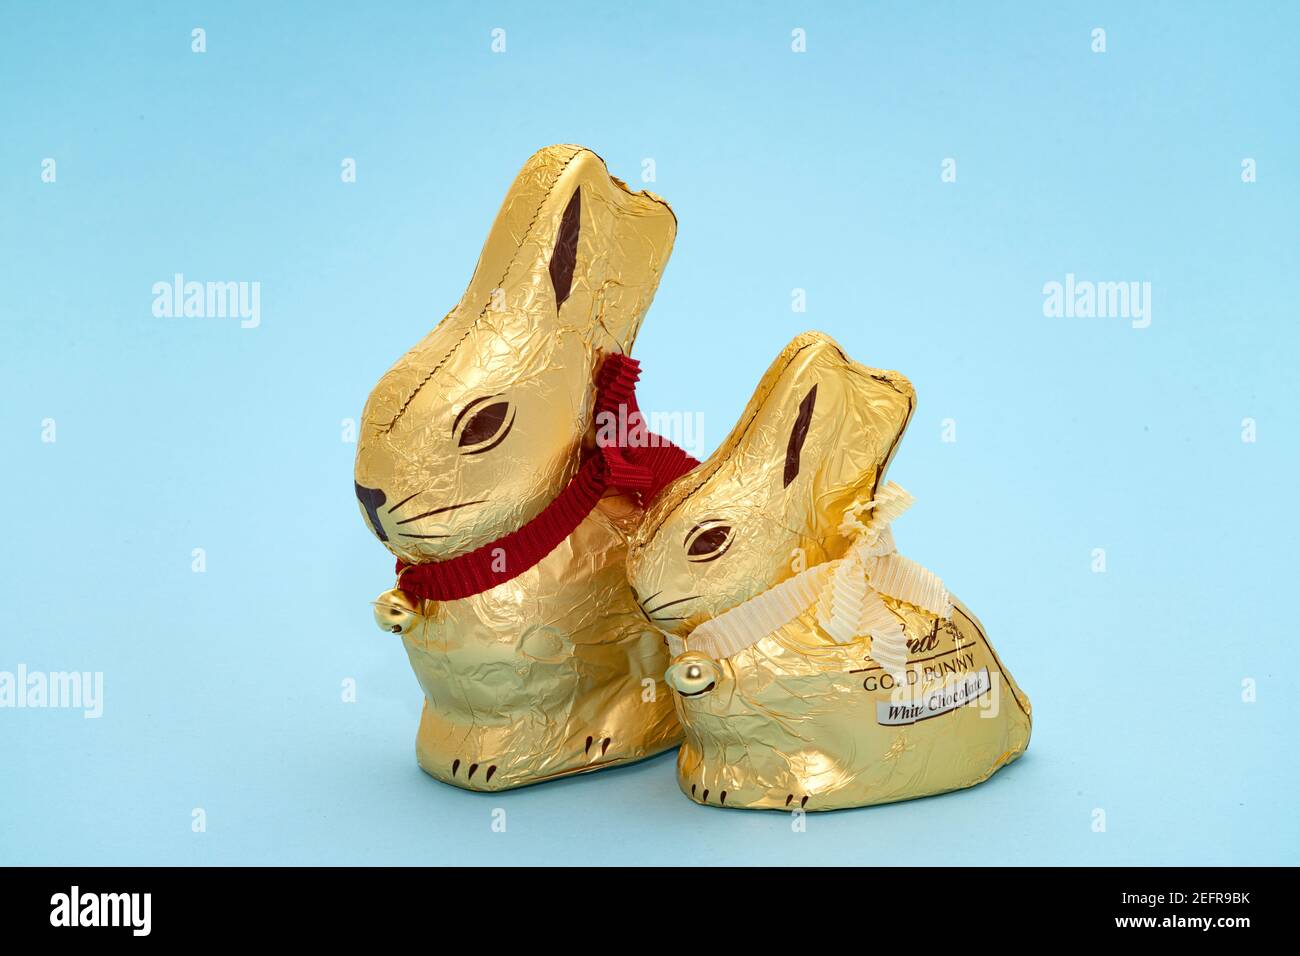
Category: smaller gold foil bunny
[815,666]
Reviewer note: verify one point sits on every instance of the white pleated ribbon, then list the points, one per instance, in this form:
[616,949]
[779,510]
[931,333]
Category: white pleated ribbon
[846,593]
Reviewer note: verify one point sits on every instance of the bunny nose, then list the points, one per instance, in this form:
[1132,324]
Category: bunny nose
[693,674]
[371,499]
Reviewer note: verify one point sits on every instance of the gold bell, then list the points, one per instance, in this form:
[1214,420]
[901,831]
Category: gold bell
[692,674]
[396,611]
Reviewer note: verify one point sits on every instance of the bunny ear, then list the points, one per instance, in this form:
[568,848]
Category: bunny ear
[842,433]
[817,434]
[568,236]
[571,236]
[798,435]
[564,258]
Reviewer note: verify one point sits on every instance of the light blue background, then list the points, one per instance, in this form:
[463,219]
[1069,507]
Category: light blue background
[818,171]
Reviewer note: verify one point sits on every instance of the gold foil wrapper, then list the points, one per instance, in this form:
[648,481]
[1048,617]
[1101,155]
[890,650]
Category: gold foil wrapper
[476,430]
[797,719]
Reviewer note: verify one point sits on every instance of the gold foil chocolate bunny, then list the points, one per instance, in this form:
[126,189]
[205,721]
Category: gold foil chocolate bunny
[815,667]
[477,467]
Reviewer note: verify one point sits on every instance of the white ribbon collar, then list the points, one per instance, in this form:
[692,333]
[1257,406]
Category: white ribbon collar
[846,592]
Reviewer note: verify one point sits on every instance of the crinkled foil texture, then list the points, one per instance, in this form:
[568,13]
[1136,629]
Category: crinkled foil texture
[553,673]
[472,434]
[797,720]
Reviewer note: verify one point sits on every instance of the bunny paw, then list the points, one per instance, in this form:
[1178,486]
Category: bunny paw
[597,746]
[715,797]
[705,795]
[462,770]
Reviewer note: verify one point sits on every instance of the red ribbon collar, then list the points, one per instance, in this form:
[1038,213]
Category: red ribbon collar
[633,460]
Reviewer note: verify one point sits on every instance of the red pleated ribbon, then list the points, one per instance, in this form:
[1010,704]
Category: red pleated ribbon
[631,460]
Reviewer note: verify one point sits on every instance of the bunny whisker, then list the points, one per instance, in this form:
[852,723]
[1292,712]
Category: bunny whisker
[650,611]
[403,534]
[404,501]
[438,511]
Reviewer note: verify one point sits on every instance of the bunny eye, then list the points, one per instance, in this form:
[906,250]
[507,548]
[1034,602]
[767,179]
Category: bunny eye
[483,424]
[708,541]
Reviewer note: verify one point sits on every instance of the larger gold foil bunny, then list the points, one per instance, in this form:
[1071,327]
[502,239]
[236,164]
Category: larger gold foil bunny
[816,667]
[475,434]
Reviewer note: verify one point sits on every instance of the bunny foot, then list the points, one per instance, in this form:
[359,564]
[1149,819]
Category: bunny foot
[745,798]
[471,769]
[714,797]
[481,773]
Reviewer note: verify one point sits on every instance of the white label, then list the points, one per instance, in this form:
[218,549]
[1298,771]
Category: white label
[947,697]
